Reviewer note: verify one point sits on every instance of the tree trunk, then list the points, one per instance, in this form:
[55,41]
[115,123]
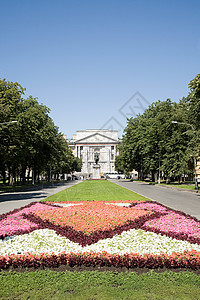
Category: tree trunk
[11,179]
[168,180]
[156,176]
[140,175]
[14,175]
[4,174]
[153,176]
[23,174]
[38,177]
[28,175]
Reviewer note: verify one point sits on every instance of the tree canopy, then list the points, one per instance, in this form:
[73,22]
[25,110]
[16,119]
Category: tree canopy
[33,143]
[153,142]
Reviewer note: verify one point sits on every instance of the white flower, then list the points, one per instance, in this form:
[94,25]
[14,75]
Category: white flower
[136,241]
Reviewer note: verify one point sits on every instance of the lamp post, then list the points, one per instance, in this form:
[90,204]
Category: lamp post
[159,171]
[5,123]
[175,122]
[195,162]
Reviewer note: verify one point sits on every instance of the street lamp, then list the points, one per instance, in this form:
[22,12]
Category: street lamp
[175,122]
[195,162]
[159,171]
[5,123]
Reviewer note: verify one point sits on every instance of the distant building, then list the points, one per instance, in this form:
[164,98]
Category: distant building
[86,143]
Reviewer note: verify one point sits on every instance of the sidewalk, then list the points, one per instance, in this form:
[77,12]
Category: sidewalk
[32,187]
[16,199]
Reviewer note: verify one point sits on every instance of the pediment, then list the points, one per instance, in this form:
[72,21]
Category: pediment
[96,138]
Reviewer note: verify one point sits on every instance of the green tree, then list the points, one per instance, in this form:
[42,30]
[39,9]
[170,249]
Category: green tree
[119,163]
[194,101]
[35,143]
[151,141]
[181,143]
[10,100]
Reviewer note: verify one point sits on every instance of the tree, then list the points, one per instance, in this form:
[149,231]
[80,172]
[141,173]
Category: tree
[151,141]
[10,100]
[181,143]
[194,101]
[119,163]
[35,144]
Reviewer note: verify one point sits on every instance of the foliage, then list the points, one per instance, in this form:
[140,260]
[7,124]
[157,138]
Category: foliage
[194,101]
[34,142]
[151,141]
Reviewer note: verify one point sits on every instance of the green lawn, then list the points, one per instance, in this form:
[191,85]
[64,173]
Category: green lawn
[95,190]
[188,186]
[182,186]
[99,285]
[19,186]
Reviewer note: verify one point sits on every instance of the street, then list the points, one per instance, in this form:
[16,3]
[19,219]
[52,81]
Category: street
[186,201]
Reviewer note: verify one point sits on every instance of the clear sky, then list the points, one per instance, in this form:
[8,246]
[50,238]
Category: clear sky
[92,62]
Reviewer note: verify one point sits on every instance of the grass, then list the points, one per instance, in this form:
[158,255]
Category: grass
[22,187]
[181,185]
[10,188]
[188,186]
[95,190]
[48,284]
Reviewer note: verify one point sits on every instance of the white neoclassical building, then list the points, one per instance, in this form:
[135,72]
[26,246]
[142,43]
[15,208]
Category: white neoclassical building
[86,143]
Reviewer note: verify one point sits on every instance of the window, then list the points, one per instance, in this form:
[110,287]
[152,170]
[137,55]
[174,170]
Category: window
[112,147]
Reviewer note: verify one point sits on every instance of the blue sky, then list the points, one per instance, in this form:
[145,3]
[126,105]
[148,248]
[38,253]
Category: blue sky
[90,61]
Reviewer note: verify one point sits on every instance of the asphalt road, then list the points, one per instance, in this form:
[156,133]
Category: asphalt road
[13,200]
[186,201]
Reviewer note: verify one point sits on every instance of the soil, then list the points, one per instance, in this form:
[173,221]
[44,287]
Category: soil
[63,268]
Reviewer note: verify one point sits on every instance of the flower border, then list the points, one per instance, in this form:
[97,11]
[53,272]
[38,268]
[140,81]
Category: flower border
[189,259]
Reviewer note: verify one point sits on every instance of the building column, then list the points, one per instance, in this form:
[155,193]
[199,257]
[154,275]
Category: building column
[109,160]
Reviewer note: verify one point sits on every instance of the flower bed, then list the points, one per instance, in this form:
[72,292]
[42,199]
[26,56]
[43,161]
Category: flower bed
[17,223]
[92,216]
[126,233]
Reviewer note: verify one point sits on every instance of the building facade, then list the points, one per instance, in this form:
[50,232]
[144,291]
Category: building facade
[86,143]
